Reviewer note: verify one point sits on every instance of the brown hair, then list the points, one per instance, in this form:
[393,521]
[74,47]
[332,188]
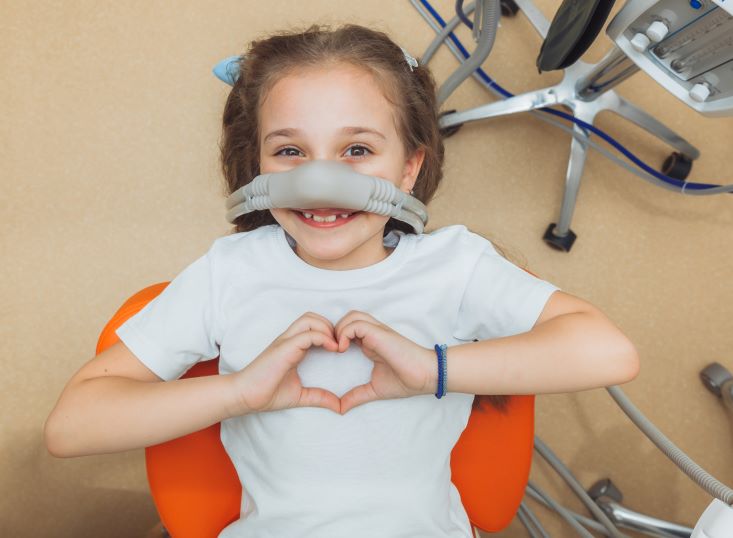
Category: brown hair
[411,91]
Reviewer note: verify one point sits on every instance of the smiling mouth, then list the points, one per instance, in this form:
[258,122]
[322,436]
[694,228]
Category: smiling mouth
[326,220]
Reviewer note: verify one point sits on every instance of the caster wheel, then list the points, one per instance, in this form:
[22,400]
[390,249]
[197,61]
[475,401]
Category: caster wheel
[605,488]
[508,8]
[449,131]
[677,166]
[713,376]
[564,243]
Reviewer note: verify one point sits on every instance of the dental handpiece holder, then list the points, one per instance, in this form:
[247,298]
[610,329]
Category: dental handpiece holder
[327,184]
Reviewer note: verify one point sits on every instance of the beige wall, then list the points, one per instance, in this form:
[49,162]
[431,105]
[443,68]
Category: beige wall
[110,183]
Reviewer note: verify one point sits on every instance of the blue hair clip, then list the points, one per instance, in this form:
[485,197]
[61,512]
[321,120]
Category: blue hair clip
[227,70]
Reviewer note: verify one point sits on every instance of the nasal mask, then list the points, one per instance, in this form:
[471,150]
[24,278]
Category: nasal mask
[325,184]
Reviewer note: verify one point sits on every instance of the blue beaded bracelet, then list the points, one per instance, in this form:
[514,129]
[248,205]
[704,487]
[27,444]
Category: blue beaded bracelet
[441,350]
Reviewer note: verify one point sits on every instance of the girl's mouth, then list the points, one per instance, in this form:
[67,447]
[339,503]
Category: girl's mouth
[330,221]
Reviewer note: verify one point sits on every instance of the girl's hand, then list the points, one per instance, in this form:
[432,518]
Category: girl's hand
[402,368]
[271,382]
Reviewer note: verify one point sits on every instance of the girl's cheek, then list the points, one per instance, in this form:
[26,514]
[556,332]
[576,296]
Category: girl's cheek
[389,173]
[269,165]
[372,168]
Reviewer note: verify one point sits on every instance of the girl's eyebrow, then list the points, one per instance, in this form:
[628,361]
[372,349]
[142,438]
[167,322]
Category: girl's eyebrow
[362,130]
[289,132]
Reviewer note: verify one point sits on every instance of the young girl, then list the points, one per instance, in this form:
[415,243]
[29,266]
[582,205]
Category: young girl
[326,332]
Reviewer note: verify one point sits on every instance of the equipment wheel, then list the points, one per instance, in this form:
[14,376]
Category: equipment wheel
[605,488]
[509,8]
[677,166]
[713,376]
[564,243]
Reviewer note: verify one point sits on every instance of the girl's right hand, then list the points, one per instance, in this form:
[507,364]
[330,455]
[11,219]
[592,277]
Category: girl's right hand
[271,382]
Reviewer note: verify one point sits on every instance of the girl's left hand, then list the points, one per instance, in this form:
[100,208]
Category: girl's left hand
[402,368]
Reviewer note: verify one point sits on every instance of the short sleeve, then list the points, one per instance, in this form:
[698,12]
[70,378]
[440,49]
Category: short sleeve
[500,299]
[176,329]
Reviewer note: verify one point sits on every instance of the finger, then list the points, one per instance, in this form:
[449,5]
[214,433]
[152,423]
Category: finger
[352,315]
[356,330]
[313,321]
[343,321]
[315,397]
[306,323]
[317,338]
[357,396]
[319,316]
[305,340]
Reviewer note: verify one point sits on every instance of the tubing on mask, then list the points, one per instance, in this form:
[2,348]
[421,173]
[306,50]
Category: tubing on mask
[323,184]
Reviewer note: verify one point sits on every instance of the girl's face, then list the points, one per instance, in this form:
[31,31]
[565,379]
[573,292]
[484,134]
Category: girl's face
[337,113]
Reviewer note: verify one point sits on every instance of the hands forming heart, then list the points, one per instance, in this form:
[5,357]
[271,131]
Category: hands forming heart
[270,382]
[402,368]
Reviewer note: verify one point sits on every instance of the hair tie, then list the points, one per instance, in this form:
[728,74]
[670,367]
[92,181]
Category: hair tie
[227,70]
[412,62]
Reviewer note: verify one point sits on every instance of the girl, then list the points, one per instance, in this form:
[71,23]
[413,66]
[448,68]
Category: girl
[326,332]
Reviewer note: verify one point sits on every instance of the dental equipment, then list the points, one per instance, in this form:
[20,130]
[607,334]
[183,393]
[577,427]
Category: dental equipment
[487,13]
[687,47]
[585,89]
[323,184]
[715,522]
[640,168]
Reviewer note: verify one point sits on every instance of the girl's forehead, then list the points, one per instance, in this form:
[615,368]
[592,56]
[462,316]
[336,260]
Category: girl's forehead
[327,97]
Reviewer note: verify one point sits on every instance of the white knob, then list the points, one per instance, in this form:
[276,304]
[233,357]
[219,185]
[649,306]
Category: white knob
[640,42]
[700,92]
[656,31]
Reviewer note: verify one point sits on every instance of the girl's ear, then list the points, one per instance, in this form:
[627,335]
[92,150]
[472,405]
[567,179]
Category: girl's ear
[412,169]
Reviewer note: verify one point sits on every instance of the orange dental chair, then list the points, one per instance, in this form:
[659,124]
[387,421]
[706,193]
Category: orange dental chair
[197,492]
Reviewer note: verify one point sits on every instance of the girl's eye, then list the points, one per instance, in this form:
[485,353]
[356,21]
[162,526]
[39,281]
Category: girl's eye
[353,151]
[357,151]
[289,152]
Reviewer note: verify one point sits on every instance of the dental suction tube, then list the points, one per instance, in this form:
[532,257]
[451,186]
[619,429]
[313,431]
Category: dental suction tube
[327,184]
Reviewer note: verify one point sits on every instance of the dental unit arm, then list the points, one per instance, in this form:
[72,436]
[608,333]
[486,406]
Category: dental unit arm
[324,184]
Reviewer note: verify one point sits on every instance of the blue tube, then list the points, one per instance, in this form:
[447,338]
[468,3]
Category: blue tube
[462,14]
[633,158]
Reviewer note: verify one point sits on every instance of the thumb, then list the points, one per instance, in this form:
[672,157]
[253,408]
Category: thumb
[357,396]
[315,397]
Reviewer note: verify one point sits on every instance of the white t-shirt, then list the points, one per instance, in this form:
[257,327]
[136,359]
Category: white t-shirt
[383,468]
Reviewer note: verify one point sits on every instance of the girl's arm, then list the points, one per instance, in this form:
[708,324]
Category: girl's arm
[573,346]
[115,403]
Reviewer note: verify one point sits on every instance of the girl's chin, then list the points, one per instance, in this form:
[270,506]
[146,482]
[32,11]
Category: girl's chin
[314,251]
